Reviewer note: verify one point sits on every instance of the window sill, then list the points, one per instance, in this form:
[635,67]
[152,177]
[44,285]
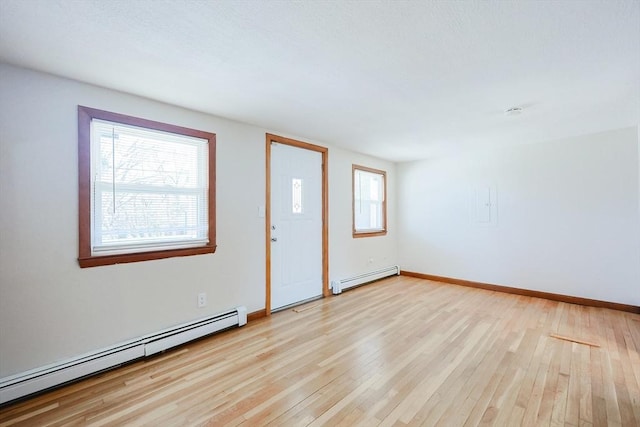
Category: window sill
[96,261]
[357,234]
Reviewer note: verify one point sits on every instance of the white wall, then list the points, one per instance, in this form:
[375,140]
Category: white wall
[50,309]
[567,222]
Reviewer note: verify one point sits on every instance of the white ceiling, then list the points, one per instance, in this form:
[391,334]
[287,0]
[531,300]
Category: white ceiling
[395,79]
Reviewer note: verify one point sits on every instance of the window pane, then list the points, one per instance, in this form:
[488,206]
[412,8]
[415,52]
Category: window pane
[130,155]
[374,188]
[150,188]
[148,216]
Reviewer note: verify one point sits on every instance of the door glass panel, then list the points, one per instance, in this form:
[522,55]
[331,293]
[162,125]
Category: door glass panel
[296,195]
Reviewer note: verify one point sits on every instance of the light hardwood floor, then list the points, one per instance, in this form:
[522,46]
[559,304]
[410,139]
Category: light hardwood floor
[402,351]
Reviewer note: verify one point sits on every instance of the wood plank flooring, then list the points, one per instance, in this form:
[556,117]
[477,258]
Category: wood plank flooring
[399,352]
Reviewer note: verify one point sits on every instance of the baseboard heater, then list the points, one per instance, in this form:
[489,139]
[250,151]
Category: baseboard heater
[39,379]
[337,286]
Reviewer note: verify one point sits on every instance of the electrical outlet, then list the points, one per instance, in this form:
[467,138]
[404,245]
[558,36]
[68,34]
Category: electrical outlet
[370,260]
[202,299]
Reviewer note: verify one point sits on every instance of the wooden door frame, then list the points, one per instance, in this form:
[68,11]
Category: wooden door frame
[325,211]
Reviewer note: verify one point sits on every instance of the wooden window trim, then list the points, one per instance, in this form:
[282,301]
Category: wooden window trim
[358,234]
[85,258]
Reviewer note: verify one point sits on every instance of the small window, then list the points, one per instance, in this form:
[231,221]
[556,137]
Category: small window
[146,189]
[369,202]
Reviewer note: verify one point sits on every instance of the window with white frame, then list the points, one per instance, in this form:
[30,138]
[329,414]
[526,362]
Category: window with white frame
[146,189]
[369,202]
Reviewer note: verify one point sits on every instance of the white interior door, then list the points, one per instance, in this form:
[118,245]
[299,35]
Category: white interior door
[296,224]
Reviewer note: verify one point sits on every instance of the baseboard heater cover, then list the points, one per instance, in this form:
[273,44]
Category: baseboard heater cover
[39,379]
[337,286]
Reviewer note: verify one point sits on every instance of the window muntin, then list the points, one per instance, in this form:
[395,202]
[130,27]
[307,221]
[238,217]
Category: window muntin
[369,202]
[147,191]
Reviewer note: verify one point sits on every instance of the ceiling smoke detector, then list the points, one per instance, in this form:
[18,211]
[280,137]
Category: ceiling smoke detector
[513,111]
